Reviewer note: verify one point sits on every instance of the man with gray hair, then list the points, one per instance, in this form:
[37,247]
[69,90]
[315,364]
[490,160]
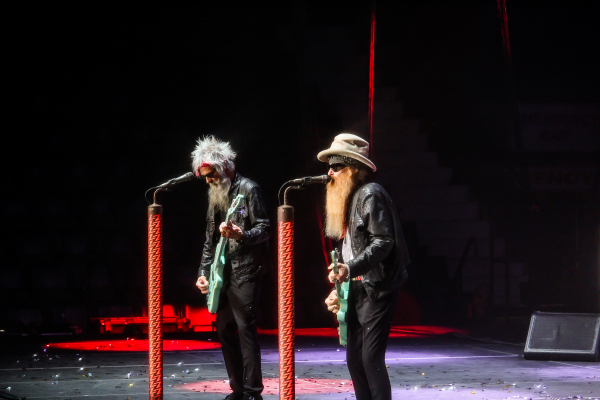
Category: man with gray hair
[363,218]
[247,256]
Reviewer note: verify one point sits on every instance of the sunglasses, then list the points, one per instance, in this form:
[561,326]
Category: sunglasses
[209,175]
[337,167]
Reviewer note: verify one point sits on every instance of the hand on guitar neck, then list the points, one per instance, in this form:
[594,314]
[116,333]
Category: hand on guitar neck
[337,302]
[338,272]
[340,276]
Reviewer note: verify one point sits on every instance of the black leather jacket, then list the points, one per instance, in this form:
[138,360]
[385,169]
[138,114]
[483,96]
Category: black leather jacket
[249,256]
[378,243]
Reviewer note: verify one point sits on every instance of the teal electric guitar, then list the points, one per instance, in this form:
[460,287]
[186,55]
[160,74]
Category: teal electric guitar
[215,283]
[343,292]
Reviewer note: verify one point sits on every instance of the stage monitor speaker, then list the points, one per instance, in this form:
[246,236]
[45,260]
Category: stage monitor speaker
[563,337]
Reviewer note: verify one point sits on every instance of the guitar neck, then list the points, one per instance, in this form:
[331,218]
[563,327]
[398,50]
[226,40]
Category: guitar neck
[232,209]
[221,244]
[334,261]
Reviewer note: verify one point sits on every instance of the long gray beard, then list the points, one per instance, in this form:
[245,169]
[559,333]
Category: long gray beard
[218,197]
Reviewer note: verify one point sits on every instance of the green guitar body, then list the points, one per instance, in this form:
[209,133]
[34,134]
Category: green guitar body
[215,282]
[343,293]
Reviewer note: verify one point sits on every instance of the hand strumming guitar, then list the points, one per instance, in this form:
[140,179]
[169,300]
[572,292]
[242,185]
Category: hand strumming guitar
[231,231]
[332,302]
[202,284]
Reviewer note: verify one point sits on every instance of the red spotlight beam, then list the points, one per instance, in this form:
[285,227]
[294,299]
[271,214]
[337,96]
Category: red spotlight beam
[505,36]
[371,78]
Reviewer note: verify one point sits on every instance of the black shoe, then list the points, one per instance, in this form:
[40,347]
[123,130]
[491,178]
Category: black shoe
[248,396]
[234,396]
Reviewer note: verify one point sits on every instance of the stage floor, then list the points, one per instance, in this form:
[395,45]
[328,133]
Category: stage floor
[436,367]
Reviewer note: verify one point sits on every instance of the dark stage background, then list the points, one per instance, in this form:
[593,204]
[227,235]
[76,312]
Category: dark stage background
[98,104]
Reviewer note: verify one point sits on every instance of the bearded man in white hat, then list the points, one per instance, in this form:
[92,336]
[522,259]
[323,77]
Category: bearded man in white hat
[362,217]
[246,254]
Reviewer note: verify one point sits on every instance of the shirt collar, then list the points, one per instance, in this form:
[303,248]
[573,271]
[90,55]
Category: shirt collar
[236,182]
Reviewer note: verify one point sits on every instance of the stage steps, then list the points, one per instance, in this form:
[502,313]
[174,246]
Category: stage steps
[444,214]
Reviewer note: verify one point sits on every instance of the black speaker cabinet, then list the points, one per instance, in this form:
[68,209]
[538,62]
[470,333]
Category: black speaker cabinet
[564,337]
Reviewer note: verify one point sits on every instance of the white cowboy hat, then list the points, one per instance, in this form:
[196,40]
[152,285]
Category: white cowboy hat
[349,145]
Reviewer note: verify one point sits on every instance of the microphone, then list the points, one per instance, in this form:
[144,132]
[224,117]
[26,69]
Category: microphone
[308,180]
[183,178]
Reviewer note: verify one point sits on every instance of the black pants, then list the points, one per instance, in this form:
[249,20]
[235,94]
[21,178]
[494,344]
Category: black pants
[236,327]
[369,325]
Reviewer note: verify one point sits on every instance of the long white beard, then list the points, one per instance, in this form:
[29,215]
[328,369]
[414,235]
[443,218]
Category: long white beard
[218,194]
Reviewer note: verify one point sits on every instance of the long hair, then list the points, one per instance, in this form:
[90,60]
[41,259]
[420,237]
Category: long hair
[215,152]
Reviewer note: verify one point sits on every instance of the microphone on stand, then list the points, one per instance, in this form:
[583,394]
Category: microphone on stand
[308,180]
[183,178]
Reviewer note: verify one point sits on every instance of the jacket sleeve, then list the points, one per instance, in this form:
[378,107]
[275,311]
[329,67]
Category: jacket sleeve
[207,253]
[259,220]
[378,221]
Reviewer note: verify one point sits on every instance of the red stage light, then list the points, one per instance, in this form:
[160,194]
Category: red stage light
[422,331]
[396,332]
[183,345]
[134,345]
[302,386]
[314,332]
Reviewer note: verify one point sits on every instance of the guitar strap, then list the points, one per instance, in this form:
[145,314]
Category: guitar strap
[223,215]
[234,195]
[238,188]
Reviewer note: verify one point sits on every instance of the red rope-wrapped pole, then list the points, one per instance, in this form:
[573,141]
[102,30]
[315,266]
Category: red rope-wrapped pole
[155,308]
[285,240]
